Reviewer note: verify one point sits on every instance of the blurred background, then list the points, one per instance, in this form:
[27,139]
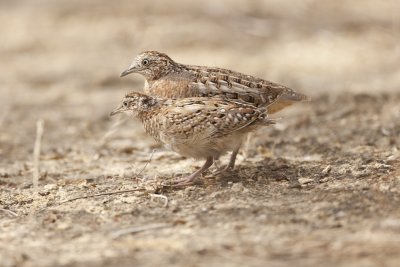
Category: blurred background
[61,60]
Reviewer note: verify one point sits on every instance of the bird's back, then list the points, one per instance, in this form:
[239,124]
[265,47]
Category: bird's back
[200,127]
[199,81]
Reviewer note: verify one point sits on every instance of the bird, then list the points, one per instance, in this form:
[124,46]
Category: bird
[195,127]
[169,79]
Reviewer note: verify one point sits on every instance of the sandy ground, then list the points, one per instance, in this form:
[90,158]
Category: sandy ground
[321,188]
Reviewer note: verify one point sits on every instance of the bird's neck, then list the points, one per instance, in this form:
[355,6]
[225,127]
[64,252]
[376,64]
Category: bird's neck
[150,108]
[158,74]
[150,123]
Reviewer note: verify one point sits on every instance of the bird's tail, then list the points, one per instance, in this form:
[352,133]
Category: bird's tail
[287,98]
[265,120]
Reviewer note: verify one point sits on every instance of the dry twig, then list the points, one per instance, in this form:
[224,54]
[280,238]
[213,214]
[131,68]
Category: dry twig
[102,194]
[147,162]
[36,153]
[138,229]
[9,212]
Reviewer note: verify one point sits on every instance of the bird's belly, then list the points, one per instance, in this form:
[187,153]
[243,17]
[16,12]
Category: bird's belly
[208,148]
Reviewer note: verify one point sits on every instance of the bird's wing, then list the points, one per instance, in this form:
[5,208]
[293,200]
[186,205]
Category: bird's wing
[234,85]
[201,119]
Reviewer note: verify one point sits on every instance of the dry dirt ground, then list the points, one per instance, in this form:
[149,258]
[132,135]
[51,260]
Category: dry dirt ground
[321,188]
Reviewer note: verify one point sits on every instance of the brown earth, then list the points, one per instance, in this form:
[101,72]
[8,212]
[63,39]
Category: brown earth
[321,188]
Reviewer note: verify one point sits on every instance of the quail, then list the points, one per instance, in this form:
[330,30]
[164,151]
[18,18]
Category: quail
[196,127]
[168,79]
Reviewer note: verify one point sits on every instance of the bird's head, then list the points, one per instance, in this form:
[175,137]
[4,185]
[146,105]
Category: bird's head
[151,64]
[135,103]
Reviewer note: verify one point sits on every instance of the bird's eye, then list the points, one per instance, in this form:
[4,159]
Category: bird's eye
[125,104]
[145,62]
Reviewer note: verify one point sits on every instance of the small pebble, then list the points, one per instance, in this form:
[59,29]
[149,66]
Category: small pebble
[304,181]
[49,187]
[326,170]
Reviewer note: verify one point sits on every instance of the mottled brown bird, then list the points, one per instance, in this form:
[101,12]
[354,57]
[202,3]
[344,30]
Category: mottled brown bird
[168,79]
[196,127]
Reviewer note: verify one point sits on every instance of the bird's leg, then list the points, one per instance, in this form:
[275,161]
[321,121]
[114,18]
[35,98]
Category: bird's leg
[191,178]
[232,161]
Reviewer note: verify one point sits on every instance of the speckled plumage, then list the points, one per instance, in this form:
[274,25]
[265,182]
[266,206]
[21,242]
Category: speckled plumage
[169,79]
[196,127]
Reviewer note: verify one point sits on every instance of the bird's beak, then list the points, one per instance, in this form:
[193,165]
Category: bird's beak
[131,69]
[117,110]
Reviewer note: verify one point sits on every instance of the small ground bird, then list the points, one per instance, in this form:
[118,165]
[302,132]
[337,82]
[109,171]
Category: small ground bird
[196,127]
[168,79]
